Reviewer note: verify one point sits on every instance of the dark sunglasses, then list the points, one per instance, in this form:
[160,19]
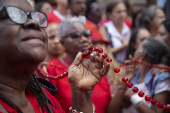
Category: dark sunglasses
[20,16]
[77,34]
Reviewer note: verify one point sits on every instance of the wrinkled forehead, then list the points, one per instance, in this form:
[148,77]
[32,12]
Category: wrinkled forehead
[23,4]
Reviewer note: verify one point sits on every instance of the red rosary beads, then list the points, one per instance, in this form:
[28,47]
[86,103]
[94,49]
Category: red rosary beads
[52,77]
[125,79]
[117,70]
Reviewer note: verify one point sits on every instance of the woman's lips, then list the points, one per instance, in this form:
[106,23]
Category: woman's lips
[34,41]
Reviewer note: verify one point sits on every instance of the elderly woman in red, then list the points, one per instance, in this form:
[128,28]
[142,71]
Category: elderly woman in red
[23,45]
[75,37]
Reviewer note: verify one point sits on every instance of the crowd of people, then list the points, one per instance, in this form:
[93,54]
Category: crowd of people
[43,69]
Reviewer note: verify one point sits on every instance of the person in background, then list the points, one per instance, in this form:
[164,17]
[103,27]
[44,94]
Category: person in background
[78,8]
[164,32]
[53,3]
[116,31]
[157,86]
[75,7]
[163,35]
[60,13]
[75,37]
[137,37]
[55,49]
[151,18]
[130,11]
[136,18]
[23,46]
[94,13]
[113,78]
[44,7]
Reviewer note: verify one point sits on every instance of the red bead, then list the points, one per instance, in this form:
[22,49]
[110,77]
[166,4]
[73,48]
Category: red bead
[89,52]
[141,94]
[154,65]
[108,60]
[143,63]
[129,84]
[147,98]
[160,105]
[135,89]
[90,49]
[100,50]
[136,61]
[167,107]
[84,55]
[65,73]
[104,55]
[153,102]
[95,49]
[116,70]
[126,64]
[149,64]
[166,68]
[125,79]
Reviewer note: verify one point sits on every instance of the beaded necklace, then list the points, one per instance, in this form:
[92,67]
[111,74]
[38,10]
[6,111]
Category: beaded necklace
[117,70]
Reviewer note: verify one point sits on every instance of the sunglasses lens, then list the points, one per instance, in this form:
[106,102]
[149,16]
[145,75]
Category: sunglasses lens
[87,33]
[76,35]
[17,15]
[40,18]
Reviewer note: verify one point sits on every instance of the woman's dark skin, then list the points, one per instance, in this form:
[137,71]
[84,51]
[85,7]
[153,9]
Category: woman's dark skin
[20,58]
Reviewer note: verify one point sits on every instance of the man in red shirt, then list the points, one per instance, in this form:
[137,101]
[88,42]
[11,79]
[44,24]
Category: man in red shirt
[77,8]
[59,13]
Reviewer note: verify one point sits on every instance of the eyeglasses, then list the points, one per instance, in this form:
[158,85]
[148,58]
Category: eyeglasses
[20,16]
[77,34]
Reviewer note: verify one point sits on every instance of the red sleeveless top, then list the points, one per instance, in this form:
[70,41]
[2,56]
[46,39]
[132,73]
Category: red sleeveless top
[56,109]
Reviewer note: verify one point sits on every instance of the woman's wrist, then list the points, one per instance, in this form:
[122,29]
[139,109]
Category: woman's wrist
[82,100]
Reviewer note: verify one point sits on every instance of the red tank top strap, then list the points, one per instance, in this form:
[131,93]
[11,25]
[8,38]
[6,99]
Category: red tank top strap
[7,107]
[33,101]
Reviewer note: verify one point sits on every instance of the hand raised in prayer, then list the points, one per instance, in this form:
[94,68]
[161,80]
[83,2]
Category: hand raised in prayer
[86,73]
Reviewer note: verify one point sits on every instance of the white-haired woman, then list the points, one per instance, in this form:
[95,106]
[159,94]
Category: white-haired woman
[75,37]
[151,18]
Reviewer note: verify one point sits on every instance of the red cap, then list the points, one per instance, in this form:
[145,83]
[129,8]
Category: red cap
[96,36]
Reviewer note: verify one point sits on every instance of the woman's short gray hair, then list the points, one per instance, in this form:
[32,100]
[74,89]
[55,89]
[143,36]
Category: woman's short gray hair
[147,15]
[158,52]
[64,28]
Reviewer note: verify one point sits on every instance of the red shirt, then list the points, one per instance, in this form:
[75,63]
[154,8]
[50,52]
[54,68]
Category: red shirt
[101,92]
[52,17]
[56,109]
[57,18]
